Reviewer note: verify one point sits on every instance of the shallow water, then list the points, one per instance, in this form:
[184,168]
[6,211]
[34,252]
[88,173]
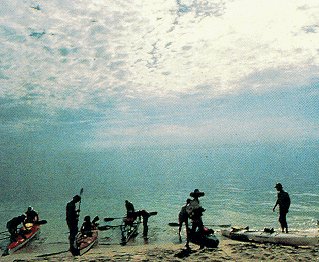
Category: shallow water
[238,183]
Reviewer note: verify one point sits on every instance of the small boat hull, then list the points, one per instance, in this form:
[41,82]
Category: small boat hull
[23,239]
[129,231]
[208,239]
[85,243]
[290,239]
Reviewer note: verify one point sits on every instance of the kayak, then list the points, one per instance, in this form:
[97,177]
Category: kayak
[24,237]
[85,243]
[208,239]
[271,236]
[129,231]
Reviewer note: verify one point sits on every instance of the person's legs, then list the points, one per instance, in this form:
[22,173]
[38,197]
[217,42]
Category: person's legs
[13,234]
[283,221]
[73,232]
[180,223]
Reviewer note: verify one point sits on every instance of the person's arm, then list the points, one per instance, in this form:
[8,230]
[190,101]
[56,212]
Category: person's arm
[275,206]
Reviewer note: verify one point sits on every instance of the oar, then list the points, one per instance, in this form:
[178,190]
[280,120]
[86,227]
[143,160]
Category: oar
[81,192]
[102,228]
[108,219]
[40,222]
[152,213]
[173,224]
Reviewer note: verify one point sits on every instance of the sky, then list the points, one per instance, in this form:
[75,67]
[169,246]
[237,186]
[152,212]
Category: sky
[98,73]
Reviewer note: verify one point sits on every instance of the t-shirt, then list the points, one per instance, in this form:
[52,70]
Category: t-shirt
[182,216]
[193,207]
[71,214]
[283,201]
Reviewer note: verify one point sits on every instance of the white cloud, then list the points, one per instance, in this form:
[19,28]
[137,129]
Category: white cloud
[107,56]
[154,49]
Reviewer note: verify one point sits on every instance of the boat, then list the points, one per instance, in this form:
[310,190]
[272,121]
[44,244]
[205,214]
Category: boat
[129,230]
[86,242]
[24,237]
[271,236]
[206,239]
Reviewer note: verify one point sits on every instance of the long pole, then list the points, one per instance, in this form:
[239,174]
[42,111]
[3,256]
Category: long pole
[81,192]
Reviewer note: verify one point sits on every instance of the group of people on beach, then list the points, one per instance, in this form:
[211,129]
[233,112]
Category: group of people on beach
[72,219]
[193,210]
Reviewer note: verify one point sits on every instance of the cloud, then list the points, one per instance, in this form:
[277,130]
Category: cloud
[115,59]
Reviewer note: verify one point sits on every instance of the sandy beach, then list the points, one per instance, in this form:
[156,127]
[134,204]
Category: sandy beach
[228,250]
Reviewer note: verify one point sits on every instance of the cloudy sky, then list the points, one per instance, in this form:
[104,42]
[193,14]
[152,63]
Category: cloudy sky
[98,73]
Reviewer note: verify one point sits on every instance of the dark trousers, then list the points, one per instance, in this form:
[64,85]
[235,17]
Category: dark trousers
[283,220]
[197,225]
[72,239]
[13,234]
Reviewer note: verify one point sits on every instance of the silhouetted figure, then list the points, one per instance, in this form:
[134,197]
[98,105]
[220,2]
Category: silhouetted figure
[130,213]
[72,219]
[283,201]
[12,226]
[88,226]
[31,215]
[183,218]
[195,212]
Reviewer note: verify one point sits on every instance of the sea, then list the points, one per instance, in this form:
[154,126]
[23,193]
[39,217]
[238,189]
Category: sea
[238,181]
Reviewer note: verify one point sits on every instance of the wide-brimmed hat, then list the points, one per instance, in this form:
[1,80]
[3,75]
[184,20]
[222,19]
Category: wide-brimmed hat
[278,186]
[196,193]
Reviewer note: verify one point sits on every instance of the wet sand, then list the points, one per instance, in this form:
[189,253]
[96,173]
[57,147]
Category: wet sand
[228,250]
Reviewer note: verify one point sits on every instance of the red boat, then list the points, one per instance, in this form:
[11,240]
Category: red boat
[23,238]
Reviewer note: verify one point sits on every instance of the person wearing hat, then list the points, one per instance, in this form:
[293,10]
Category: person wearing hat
[283,201]
[195,212]
[72,219]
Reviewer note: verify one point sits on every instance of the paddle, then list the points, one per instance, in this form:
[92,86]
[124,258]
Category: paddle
[96,219]
[152,213]
[40,222]
[102,228]
[81,192]
[108,219]
[173,224]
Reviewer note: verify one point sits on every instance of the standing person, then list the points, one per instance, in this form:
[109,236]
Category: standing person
[130,212]
[195,212]
[145,215]
[72,219]
[283,201]
[12,226]
[183,218]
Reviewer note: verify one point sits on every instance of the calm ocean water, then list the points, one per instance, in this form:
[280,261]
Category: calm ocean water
[238,182]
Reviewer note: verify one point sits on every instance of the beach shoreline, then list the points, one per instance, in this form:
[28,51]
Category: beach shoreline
[228,250]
